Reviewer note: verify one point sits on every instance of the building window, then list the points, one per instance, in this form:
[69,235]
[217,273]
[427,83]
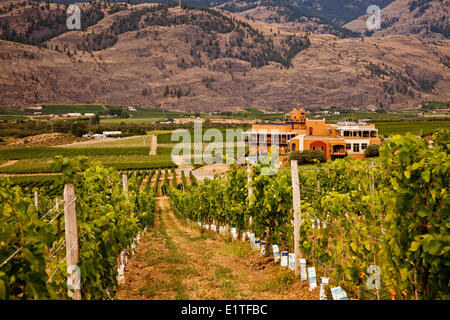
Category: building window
[365,134]
[348,146]
[346,133]
[363,146]
[373,134]
[354,133]
[356,147]
[314,147]
[310,131]
[321,147]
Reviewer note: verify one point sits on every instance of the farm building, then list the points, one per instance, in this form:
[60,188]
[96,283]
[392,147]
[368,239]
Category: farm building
[111,133]
[301,133]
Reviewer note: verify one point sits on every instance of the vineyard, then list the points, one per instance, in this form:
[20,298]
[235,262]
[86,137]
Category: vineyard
[32,255]
[393,213]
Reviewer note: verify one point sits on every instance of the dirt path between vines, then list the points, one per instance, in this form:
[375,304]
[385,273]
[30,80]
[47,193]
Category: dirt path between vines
[177,259]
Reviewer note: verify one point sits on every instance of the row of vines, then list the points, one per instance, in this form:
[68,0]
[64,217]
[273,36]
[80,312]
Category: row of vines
[393,213]
[32,242]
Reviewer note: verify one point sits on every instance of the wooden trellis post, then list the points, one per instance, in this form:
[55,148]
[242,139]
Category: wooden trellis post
[318,180]
[297,214]
[125,182]
[372,180]
[36,200]
[250,188]
[70,219]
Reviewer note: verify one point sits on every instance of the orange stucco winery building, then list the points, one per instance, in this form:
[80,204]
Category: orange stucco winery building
[300,133]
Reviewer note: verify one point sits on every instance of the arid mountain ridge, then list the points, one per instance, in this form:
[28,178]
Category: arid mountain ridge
[194,59]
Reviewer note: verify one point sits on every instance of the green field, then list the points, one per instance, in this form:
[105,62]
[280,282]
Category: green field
[125,153]
[156,113]
[130,120]
[48,152]
[13,117]
[134,141]
[62,108]
[8,111]
[420,128]
[124,162]
[246,114]
[133,152]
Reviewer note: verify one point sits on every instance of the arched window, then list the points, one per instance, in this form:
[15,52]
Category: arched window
[310,131]
[293,147]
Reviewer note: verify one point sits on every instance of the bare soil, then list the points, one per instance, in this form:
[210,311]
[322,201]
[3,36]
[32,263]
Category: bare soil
[220,168]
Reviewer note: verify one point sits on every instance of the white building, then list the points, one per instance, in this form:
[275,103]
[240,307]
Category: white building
[89,114]
[111,133]
[73,114]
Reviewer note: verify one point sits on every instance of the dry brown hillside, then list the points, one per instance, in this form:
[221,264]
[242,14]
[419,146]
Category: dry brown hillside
[424,18]
[209,63]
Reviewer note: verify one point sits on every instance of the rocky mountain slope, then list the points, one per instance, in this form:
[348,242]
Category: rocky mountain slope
[197,59]
[423,18]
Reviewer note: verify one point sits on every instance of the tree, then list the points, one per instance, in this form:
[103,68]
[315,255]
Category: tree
[319,155]
[78,128]
[96,119]
[166,91]
[307,156]
[372,150]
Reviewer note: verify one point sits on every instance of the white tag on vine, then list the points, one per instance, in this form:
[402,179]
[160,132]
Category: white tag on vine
[338,293]
[323,284]
[303,275]
[276,252]
[292,261]
[312,278]
[284,259]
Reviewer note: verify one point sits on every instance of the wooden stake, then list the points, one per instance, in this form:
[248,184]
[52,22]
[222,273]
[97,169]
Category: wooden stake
[36,200]
[297,214]
[318,180]
[372,180]
[250,188]
[125,182]
[416,294]
[70,219]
